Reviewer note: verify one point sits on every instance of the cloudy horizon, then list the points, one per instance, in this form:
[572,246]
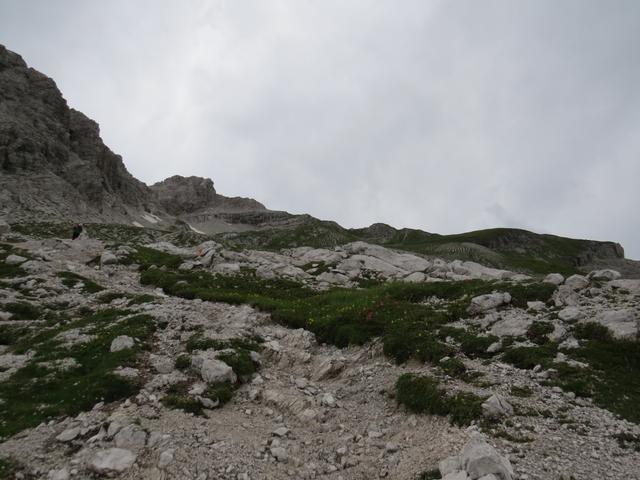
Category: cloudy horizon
[447,116]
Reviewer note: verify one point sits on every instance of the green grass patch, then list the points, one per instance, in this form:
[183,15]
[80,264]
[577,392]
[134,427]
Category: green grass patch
[539,331]
[146,257]
[393,311]
[35,394]
[71,279]
[430,475]
[142,298]
[422,394]
[23,311]
[528,357]
[183,362]
[522,392]
[10,271]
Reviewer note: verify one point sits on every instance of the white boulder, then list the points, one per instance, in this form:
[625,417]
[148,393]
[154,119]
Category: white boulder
[121,342]
[14,259]
[496,406]
[606,274]
[577,282]
[478,459]
[489,301]
[108,258]
[554,278]
[570,314]
[112,460]
[213,370]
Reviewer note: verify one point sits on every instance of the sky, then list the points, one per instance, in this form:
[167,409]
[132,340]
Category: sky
[447,116]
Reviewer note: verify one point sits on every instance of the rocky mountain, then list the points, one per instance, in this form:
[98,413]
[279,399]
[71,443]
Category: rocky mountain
[54,165]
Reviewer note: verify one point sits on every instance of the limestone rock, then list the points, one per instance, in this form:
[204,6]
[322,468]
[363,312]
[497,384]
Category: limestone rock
[108,258]
[478,458]
[112,460]
[489,301]
[496,406]
[570,314]
[14,259]
[121,342]
[577,282]
[555,278]
[606,274]
[213,370]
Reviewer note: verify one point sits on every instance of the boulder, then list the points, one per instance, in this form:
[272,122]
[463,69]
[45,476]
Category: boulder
[121,342]
[131,436]
[69,434]
[108,258]
[496,406]
[570,314]
[14,259]
[478,459]
[161,364]
[512,325]
[4,227]
[449,465]
[415,277]
[489,301]
[606,275]
[536,306]
[554,278]
[577,282]
[213,370]
[112,460]
[622,323]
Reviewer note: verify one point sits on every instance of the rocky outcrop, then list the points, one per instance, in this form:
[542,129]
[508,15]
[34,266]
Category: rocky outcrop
[187,195]
[53,163]
[55,166]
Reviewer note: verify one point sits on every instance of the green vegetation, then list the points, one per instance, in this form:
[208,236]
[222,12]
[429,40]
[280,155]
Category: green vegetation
[539,332]
[140,299]
[183,362]
[422,394]
[521,391]
[178,397]
[146,257]
[9,467]
[453,367]
[10,271]
[611,379]
[23,311]
[71,279]
[342,317]
[430,475]
[198,342]
[38,392]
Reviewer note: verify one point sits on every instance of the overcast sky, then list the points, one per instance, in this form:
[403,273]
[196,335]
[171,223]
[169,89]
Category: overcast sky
[445,115]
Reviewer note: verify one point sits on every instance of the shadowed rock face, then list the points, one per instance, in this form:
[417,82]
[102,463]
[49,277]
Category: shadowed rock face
[53,162]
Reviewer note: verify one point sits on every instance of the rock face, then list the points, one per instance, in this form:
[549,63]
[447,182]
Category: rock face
[186,195]
[52,159]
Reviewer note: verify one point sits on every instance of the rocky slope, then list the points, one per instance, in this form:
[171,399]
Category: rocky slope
[126,327]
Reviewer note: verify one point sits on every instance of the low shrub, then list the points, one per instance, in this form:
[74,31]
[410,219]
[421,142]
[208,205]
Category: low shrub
[422,394]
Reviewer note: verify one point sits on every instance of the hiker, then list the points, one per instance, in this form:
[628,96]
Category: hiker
[77,230]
